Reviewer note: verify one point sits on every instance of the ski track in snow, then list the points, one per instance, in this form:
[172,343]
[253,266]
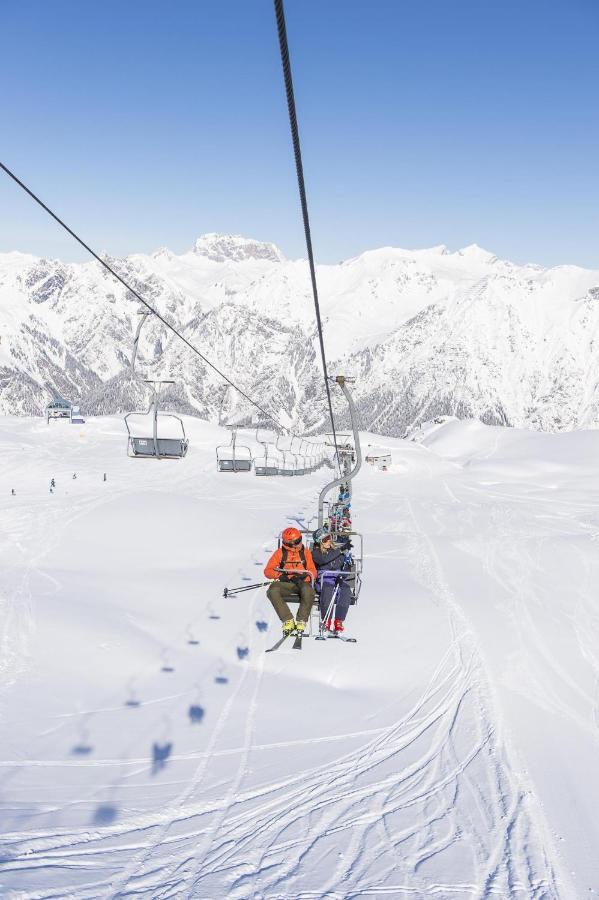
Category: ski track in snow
[433,801]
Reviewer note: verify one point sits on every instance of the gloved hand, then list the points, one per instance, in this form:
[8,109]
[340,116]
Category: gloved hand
[284,577]
[297,579]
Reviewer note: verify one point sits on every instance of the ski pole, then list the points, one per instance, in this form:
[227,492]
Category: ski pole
[227,592]
[329,611]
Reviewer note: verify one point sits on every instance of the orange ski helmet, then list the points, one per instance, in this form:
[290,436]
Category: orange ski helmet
[291,537]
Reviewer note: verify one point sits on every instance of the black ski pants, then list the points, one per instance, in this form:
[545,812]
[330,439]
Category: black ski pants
[342,601]
[280,593]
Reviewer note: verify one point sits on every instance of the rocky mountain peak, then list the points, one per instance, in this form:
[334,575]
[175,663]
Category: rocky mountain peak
[235,247]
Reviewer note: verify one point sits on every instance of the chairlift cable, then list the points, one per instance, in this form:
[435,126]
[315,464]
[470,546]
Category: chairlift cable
[286,63]
[161,318]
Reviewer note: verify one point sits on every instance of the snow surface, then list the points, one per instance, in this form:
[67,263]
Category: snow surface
[450,753]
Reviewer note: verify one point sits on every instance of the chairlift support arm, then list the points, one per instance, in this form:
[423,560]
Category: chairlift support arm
[342,382]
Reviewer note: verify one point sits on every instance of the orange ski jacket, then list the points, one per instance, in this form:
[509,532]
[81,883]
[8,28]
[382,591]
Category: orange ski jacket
[290,560]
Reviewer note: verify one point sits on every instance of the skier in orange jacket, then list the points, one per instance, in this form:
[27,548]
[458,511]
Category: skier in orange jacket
[293,572]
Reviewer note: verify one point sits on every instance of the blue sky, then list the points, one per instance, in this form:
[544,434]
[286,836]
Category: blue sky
[422,121]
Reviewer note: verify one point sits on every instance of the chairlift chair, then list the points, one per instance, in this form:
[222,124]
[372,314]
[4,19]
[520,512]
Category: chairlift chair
[300,468]
[155,446]
[286,467]
[233,457]
[353,575]
[265,465]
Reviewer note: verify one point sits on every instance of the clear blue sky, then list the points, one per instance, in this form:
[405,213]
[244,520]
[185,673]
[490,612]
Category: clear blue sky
[422,121]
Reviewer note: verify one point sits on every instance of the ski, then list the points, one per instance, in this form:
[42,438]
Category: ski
[341,637]
[278,644]
[297,644]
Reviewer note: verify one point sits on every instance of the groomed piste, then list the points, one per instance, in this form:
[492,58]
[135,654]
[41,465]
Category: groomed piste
[150,747]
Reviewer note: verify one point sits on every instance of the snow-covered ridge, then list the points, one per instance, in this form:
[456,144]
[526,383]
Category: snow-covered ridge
[223,247]
[427,332]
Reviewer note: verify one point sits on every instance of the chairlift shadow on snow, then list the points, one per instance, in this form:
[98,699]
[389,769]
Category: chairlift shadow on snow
[132,700]
[166,665]
[211,612]
[160,755]
[82,750]
[105,814]
[261,625]
[190,636]
[220,677]
[196,713]
[83,746]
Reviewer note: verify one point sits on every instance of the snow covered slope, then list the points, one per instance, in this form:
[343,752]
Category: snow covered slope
[451,752]
[427,332]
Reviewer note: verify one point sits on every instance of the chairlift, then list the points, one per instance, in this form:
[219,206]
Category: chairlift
[300,468]
[287,467]
[265,465]
[233,457]
[353,575]
[59,409]
[152,446]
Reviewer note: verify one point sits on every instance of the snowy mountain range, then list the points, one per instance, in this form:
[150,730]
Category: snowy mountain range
[425,333]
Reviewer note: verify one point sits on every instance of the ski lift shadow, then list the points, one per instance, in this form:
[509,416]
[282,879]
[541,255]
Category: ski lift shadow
[160,756]
[105,814]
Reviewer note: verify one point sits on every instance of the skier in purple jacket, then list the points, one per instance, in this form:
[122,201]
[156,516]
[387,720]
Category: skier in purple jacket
[333,558]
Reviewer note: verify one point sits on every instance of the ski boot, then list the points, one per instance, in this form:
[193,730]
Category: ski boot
[300,627]
[288,627]
[338,626]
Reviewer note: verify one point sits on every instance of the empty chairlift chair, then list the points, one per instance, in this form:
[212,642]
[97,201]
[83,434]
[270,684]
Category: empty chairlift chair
[267,464]
[233,457]
[154,445]
[287,466]
[300,460]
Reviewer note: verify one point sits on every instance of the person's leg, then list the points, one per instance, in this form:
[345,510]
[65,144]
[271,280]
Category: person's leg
[278,593]
[306,592]
[343,602]
[327,609]
[325,597]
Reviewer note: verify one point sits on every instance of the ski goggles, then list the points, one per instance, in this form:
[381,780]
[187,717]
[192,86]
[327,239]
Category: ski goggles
[294,543]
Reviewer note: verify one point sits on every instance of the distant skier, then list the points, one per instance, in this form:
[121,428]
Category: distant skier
[104,479]
[52,483]
[13,492]
[74,475]
[331,558]
[293,571]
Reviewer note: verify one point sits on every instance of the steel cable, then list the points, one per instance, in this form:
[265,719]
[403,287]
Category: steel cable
[286,63]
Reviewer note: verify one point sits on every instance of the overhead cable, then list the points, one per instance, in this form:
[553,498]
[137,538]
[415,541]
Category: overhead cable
[286,63]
